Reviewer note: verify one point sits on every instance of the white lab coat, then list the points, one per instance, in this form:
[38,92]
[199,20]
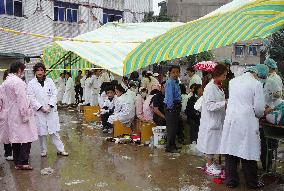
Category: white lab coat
[212,119]
[82,82]
[96,87]
[88,91]
[69,94]
[124,111]
[106,77]
[240,136]
[101,99]
[47,123]
[131,96]
[60,85]
[195,79]
[273,85]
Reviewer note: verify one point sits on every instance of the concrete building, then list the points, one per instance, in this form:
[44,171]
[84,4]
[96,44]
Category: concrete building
[66,18]
[188,10]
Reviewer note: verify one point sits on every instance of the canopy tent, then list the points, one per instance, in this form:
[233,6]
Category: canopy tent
[240,20]
[106,47]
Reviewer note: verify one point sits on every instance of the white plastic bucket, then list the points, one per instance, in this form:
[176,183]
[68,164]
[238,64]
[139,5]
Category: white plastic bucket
[160,136]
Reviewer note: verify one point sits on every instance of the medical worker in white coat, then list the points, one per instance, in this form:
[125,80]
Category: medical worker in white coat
[212,118]
[88,89]
[43,95]
[124,109]
[96,87]
[69,94]
[273,84]
[60,85]
[240,136]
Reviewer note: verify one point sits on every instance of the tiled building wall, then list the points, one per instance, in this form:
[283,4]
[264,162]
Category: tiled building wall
[38,18]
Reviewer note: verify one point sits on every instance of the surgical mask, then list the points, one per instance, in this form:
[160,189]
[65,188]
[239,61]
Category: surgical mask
[144,94]
[134,90]
[262,81]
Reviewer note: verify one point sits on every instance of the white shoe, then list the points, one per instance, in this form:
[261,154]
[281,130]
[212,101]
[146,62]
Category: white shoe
[9,158]
[217,166]
[63,153]
[212,170]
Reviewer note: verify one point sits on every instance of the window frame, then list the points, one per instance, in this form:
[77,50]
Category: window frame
[13,8]
[243,50]
[69,10]
[252,46]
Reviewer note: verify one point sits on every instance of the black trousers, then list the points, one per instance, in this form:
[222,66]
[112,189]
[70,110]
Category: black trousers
[8,150]
[180,129]
[249,168]
[193,130]
[21,153]
[172,123]
[79,92]
[104,118]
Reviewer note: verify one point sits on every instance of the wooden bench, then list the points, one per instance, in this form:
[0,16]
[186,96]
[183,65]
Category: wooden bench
[89,113]
[120,129]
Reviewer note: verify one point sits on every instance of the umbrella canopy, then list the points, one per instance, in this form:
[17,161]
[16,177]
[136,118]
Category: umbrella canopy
[237,21]
[207,66]
[105,47]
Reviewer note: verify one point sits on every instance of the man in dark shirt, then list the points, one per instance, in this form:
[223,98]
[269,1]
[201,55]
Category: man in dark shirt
[159,108]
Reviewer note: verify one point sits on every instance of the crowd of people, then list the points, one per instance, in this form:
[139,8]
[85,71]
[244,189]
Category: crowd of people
[222,111]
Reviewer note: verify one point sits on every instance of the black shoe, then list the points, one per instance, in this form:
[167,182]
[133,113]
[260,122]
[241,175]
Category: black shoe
[178,147]
[172,151]
[259,185]
[232,185]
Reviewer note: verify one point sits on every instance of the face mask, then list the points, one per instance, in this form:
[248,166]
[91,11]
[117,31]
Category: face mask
[262,81]
[134,90]
[144,94]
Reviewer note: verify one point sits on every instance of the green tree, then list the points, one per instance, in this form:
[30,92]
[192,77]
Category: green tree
[274,47]
[150,17]
[203,56]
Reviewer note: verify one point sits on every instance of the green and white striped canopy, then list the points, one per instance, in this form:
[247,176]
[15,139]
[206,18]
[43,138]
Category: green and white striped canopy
[240,20]
[105,47]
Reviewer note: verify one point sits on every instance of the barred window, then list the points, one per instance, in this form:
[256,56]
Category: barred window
[64,11]
[11,7]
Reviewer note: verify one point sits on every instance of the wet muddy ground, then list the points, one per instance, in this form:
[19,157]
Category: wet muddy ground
[95,164]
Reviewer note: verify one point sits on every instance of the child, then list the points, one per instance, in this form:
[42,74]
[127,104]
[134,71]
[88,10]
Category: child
[184,97]
[148,107]
[107,108]
[193,116]
[139,101]
[132,92]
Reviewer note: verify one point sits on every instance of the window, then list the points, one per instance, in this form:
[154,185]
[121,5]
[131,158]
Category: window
[64,11]
[111,15]
[252,50]
[18,11]
[74,15]
[239,50]
[11,7]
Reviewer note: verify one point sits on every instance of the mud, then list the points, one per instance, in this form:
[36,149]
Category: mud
[95,164]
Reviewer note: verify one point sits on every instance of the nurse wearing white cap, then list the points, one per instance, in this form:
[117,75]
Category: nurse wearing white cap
[273,85]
